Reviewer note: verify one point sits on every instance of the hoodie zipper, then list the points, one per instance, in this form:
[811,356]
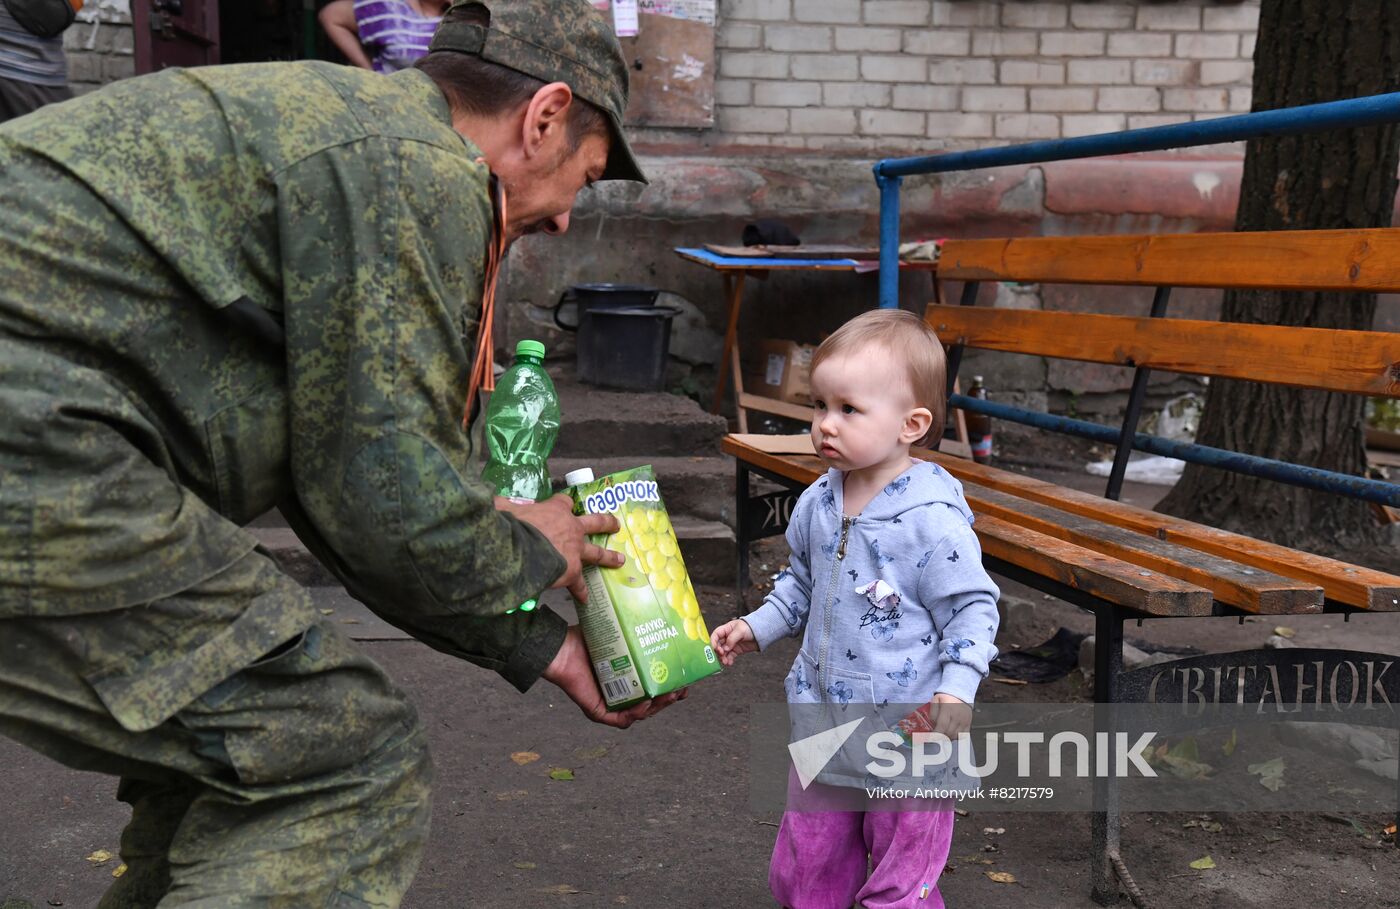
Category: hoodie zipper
[846,523]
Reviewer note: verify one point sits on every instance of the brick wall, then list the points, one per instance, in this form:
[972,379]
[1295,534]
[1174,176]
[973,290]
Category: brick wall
[890,75]
[99,45]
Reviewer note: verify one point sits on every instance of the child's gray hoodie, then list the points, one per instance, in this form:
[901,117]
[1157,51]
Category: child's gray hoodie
[927,628]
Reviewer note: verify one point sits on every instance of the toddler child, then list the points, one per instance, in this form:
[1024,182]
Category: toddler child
[887,588]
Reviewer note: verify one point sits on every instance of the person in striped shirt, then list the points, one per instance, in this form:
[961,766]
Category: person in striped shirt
[383,35]
[33,70]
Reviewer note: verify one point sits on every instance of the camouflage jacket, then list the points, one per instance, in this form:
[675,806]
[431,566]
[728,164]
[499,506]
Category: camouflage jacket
[283,264]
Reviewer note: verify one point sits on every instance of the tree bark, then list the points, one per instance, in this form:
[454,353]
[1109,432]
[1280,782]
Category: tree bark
[1307,52]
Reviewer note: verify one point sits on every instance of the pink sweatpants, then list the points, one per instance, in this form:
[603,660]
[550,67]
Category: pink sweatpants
[885,859]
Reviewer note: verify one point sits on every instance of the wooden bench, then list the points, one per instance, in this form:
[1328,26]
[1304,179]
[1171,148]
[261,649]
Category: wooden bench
[1117,560]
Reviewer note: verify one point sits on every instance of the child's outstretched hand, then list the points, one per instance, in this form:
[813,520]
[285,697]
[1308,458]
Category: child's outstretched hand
[731,639]
[950,715]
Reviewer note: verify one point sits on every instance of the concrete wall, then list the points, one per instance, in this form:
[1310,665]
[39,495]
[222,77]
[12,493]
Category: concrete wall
[810,92]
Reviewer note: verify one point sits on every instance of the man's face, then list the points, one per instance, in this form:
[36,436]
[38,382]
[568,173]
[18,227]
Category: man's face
[540,191]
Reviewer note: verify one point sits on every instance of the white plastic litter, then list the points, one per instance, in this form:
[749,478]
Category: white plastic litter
[1153,469]
[1180,418]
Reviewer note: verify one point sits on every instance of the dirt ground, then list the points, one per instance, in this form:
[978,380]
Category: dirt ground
[658,816]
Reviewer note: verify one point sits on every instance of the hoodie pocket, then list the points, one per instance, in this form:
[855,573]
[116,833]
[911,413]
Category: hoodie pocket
[844,688]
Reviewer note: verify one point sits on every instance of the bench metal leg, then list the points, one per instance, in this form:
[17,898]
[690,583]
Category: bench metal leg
[1106,820]
[742,518]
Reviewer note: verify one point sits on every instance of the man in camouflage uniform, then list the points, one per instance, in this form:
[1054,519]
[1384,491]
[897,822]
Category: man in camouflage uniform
[233,288]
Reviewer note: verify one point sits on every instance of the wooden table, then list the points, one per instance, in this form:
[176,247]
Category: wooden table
[733,271]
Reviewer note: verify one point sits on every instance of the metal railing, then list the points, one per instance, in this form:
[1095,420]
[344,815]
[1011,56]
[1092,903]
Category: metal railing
[889,177]
[890,172]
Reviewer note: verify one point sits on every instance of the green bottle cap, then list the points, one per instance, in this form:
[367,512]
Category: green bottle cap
[530,349]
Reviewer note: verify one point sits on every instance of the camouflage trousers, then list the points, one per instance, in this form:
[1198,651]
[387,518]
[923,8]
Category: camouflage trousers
[301,780]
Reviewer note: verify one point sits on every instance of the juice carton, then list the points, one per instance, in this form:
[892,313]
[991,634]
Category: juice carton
[642,622]
[920,720]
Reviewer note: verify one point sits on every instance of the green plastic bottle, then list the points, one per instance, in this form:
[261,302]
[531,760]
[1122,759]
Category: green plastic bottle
[522,422]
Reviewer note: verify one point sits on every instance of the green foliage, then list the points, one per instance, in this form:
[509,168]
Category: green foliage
[1383,413]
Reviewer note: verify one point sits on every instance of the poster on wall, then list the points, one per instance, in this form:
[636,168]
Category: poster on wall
[690,10]
[671,49]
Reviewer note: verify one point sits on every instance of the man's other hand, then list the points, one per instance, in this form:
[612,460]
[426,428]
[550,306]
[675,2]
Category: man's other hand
[554,517]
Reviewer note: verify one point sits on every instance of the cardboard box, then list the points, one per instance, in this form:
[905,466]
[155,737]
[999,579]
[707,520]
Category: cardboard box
[782,370]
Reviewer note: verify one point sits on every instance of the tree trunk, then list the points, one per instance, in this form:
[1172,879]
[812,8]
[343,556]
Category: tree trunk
[1307,52]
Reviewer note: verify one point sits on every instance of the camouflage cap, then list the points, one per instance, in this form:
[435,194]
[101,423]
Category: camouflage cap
[554,41]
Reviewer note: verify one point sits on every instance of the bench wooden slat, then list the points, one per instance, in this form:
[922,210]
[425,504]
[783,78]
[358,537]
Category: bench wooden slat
[1250,589]
[1351,585]
[1366,259]
[1360,362]
[1117,581]
[1111,579]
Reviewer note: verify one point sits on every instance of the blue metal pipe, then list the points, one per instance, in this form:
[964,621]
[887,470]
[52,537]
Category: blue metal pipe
[889,240]
[1354,112]
[1265,468]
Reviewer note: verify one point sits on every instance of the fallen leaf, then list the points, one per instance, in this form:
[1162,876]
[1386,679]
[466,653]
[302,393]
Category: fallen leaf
[1191,823]
[524,866]
[1001,877]
[561,889]
[1229,746]
[1211,826]
[1270,773]
[524,757]
[327,611]
[1184,760]
[1203,864]
[591,754]
[1187,770]
[512,795]
[993,831]
[1389,831]
[561,773]
[100,856]
[1284,631]
[1186,749]
[960,812]
[119,870]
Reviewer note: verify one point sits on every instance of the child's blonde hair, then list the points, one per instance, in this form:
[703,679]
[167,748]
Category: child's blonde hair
[909,338]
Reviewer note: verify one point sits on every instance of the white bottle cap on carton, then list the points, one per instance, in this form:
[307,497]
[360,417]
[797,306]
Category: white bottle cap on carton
[580,476]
